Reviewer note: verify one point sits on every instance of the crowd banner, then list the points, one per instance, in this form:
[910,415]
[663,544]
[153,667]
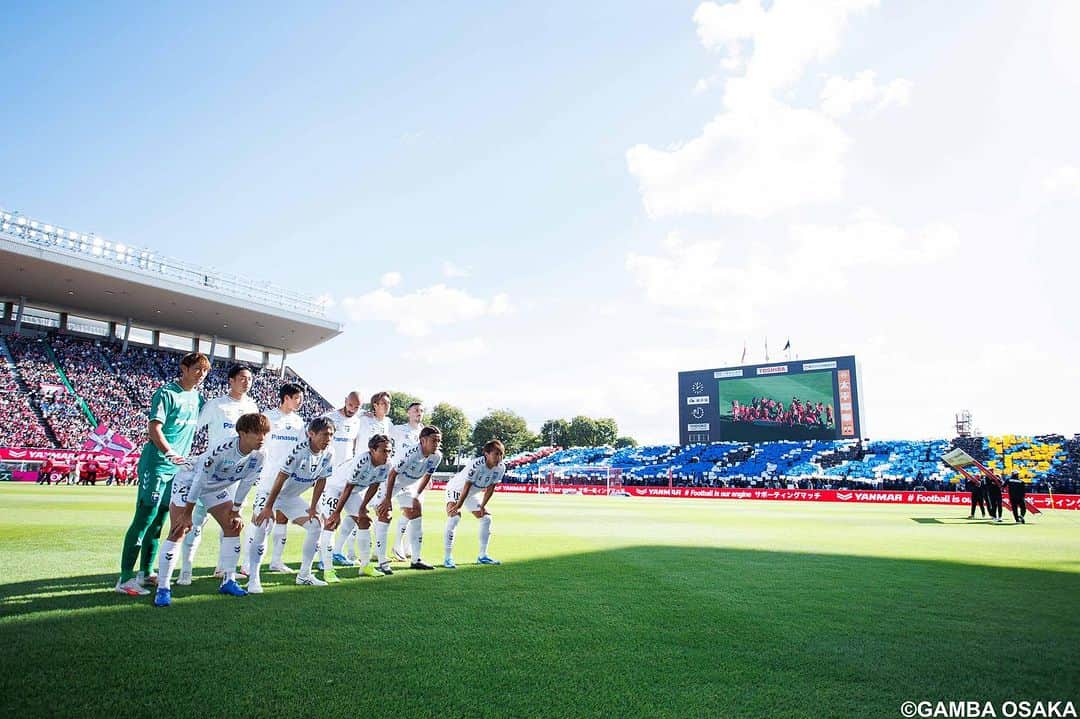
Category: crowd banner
[848,496]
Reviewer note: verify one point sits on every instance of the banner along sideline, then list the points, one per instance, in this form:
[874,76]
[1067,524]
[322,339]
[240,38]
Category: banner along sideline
[849,496]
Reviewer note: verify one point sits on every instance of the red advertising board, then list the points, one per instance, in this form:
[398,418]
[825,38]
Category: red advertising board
[9,454]
[846,496]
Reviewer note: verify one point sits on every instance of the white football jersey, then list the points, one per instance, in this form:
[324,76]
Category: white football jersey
[414,465]
[369,427]
[304,468]
[405,437]
[345,431]
[478,474]
[286,431]
[222,467]
[362,473]
[220,415]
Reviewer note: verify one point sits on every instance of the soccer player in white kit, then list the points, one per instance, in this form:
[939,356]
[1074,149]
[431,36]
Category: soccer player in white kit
[405,437]
[219,415]
[370,425]
[347,421]
[406,484]
[308,466]
[287,429]
[472,488]
[220,479]
[365,477]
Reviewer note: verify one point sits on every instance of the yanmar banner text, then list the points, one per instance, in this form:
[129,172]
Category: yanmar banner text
[855,496]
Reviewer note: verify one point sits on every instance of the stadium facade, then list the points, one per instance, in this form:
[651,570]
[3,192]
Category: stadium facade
[88,328]
[53,276]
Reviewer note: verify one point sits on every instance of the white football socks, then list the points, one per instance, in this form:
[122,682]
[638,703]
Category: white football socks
[352,542]
[166,564]
[348,526]
[255,552]
[192,541]
[416,536]
[402,527]
[448,536]
[363,539]
[230,552]
[485,534]
[382,529]
[280,534]
[245,540]
[311,545]
[326,543]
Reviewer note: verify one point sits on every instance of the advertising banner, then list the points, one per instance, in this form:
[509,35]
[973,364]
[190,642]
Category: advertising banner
[845,496]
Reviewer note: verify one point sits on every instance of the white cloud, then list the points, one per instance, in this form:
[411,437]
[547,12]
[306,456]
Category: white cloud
[760,155]
[390,279]
[756,159]
[448,352]
[717,281]
[452,271]
[1065,179]
[416,313]
[785,39]
[840,96]
[500,305]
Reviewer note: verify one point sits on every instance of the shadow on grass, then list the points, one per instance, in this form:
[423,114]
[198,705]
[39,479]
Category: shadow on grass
[651,631]
[1007,522]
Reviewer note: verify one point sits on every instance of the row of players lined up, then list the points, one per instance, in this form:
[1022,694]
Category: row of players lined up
[350,461]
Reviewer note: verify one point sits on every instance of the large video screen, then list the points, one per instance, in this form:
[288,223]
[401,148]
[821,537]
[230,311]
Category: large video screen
[805,399]
[800,401]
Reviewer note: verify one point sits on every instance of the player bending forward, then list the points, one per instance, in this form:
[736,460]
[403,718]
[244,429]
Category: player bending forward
[287,429]
[472,488]
[406,484]
[367,472]
[220,479]
[307,466]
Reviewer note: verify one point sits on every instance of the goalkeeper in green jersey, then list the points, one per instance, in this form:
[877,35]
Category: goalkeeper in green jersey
[173,415]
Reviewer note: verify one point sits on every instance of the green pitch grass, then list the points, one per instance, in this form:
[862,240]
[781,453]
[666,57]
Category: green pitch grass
[813,387]
[606,607]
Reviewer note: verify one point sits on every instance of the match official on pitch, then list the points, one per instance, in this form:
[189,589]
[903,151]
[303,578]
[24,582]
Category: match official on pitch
[1017,490]
[993,499]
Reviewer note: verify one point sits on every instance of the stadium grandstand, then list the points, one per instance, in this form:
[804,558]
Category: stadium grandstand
[1046,462]
[89,329]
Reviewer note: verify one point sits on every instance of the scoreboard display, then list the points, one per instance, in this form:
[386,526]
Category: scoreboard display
[804,399]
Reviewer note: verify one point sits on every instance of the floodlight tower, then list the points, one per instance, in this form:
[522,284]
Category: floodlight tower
[964,423]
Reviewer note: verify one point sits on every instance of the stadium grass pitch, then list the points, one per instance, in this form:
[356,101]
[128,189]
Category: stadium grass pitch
[612,607]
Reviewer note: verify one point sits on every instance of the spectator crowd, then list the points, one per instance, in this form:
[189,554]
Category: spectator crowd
[114,385]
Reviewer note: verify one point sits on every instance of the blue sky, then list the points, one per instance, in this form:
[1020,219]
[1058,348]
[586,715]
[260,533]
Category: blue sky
[555,207]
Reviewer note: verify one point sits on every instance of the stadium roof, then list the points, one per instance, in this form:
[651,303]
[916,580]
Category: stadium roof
[81,273]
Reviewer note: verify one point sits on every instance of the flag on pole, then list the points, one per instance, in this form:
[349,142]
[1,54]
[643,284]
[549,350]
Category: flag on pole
[766,349]
[788,345]
[106,441]
[743,360]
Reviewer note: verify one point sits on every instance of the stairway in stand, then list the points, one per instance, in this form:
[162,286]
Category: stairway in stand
[9,360]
